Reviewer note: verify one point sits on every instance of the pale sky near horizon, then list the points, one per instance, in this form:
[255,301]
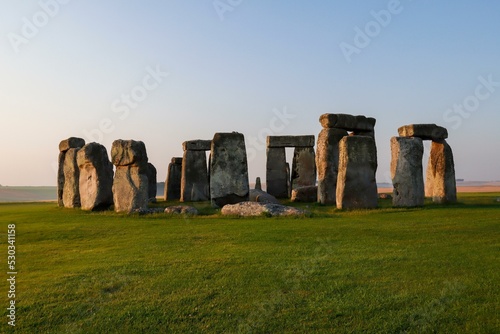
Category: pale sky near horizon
[168,71]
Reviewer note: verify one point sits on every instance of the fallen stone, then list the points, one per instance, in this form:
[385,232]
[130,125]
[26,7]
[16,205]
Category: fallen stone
[262,197]
[229,169]
[197,145]
[252,209]
[440,180]
[347,122]
[128,153]
[151,173]
[406,171]
[308,194]
[327,163]
[424,131]
[356,184]
[181,209]
[290,141]
[71,142]
[96,177]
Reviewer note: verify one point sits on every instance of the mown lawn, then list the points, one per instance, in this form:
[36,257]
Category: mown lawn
[426,270]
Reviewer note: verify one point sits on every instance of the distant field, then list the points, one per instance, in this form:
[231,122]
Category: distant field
[424,270]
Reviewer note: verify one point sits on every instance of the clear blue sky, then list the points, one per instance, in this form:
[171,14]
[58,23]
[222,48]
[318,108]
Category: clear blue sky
[68,67]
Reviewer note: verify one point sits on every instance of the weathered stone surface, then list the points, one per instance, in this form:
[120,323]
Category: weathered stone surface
[130,189]
[96,177]
[347,122]
[71,142]
[327,162]
[276,176]
[181,209]
[424,131]
[290,141]
[356,184]
[229,169]
[303,167]
[258,184]
[64,146]
[262,197]
[172,189]
[194,179]
[440,180]
[248,209]
[306,194]
[288,180]
[71,191]
[364,133]
[197,145]
[151,173]
[128,153]
[406,171]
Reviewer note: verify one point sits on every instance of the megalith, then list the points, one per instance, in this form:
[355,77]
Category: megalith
[441,182]
[194,173]
[228,170]
[172,190]
[96,177]
[72,174]
[303,167]
[152,179]
[276,176]
[71,190]
[327,162]
[406,171]
[356,185]
[130,185]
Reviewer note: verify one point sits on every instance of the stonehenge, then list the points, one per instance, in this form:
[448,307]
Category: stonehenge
[173,182]
[68,174]
[303,172]
[96,177]
[406,166]
[194,173]
[228,169]
[340,172]
[347,163]
[130,185]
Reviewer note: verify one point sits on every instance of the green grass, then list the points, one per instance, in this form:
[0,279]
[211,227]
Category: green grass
[425,270]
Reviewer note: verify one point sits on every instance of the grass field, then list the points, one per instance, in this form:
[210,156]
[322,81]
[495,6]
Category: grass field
[426,270]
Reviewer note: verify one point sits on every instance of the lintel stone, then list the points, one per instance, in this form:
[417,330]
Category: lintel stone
[290,141]
[347,122]
[424,131]
[197,145]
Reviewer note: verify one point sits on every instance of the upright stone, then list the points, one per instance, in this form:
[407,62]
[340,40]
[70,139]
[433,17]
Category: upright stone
[276,177]
[288,181]
[441,174]
[194,179]
[327,162]
[64,146]
[356,184]
[258,185]
[173,181]
[303,167]
[130,185]
[229,169]
[152,179]
[71,192]
[96,177]
[406,171]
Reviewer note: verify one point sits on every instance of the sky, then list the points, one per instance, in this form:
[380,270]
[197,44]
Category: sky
[169,71]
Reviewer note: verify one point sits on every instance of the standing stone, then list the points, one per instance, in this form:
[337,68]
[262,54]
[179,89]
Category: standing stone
[276,176]
[130,185]
[96,177]
[406,171]
[441,182]
[194,179]
[71,191]
[152,179]
[258,185]
[64,146]
[303,167]
[327,162]
[288,181]
[356,184]
[173,181]
[229,169]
